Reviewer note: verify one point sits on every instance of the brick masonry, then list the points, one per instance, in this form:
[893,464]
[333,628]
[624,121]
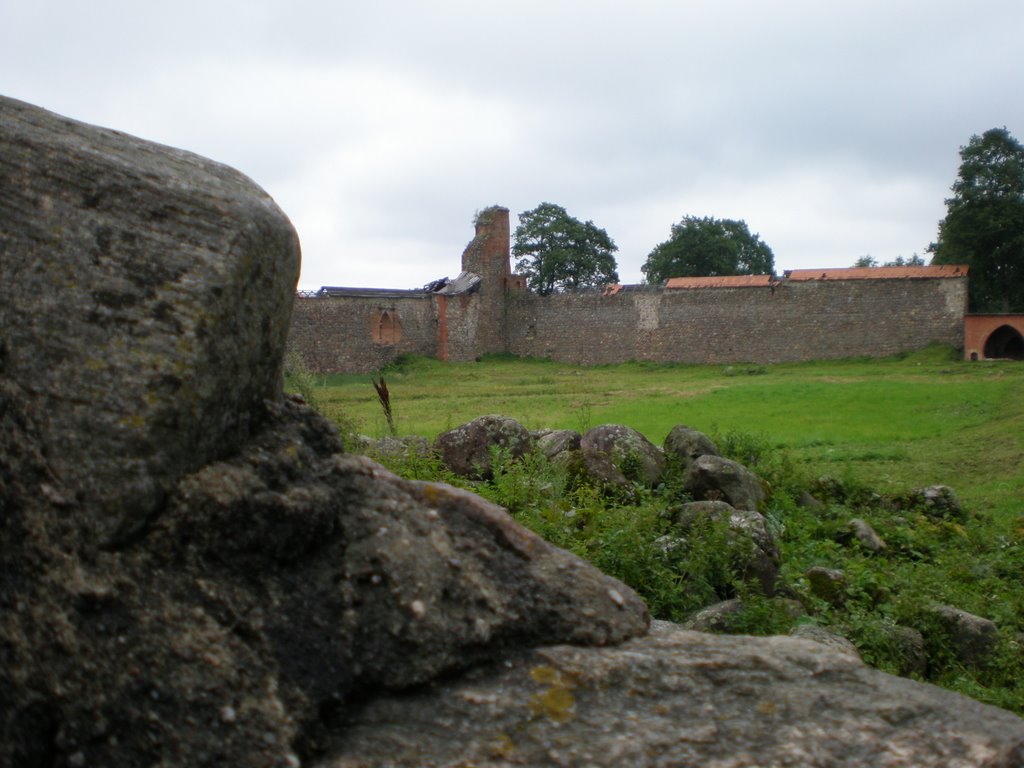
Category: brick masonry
[993,336]
[752,321]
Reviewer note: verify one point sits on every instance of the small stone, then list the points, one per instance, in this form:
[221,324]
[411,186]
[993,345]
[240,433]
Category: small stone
[807,501]
[826,583]
[866,535]
[228,714]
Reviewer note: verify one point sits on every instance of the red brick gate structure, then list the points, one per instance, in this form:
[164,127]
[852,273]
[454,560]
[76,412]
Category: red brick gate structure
[994,336]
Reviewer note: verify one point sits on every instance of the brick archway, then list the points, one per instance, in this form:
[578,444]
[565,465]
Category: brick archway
[994,336]
[1005,341]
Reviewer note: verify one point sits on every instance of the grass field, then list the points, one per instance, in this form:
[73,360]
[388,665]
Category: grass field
[920,419]
[879,427]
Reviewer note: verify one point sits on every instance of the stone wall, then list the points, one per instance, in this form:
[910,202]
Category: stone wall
[343,333]
[466,334]
[785,322]
[809,314]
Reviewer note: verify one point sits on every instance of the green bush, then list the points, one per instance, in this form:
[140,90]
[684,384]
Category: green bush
[298,379]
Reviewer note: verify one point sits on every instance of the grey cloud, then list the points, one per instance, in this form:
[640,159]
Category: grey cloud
[380,127]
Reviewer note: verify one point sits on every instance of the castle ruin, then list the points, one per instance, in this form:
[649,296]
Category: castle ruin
[803,315]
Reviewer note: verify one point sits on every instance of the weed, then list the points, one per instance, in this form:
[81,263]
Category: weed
[583,417]
[384,396]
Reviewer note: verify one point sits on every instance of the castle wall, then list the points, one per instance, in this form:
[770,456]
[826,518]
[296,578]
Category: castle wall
[352,333]
[784,322]
[468,332]
[807,315]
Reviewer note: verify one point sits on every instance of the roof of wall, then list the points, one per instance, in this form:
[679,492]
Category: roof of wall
[369,293]
[878,273]
[720,281]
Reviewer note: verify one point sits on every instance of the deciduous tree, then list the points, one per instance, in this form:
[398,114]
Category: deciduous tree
[869,261]
[558,252]
[984,223]
[705,246]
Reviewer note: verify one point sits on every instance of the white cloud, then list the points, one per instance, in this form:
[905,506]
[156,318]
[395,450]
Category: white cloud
[380,127]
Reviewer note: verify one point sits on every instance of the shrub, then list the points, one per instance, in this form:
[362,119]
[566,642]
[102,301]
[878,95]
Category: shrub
[298,379]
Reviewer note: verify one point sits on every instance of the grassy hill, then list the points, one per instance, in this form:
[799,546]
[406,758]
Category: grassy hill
[878,428]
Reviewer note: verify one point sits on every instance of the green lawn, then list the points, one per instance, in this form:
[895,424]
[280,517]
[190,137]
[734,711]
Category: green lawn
[916,420]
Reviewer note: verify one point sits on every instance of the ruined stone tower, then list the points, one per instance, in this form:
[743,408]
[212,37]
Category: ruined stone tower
[487,255]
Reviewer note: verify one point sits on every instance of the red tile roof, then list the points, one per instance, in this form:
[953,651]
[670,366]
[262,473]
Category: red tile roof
[722,281]
[877,273]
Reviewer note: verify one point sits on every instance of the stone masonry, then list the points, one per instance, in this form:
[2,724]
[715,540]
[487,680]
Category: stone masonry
[804,315]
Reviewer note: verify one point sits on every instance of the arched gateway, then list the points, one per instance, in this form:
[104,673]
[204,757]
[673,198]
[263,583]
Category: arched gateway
[994,337]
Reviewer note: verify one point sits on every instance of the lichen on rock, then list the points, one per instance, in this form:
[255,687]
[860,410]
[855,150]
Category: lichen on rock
[194,572]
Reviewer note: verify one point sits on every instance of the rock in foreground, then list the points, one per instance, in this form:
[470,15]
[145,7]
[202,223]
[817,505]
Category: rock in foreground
[145,294]
[192,573]
[680,698]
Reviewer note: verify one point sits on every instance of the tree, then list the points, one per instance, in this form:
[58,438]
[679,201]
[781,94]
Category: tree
[558,252]
[707,246]
[869,261]
[984,224]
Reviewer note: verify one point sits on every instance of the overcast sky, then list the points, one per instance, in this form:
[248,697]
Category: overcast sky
[381,126]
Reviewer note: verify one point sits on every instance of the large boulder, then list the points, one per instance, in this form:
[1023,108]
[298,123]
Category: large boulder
[193,571]
[618,456]
[751,543]
[716,478]
[680,698]
[407,447]
[466,449]
[144,299]
[686,445]
[555,442]
[936,501]
[828,584]
[825,637]
[973,639]
[910,648]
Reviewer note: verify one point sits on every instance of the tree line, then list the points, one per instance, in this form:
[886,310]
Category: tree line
[558,252]
[983,228]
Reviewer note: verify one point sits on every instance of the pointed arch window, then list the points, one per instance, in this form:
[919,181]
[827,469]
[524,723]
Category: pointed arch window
[385,327]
